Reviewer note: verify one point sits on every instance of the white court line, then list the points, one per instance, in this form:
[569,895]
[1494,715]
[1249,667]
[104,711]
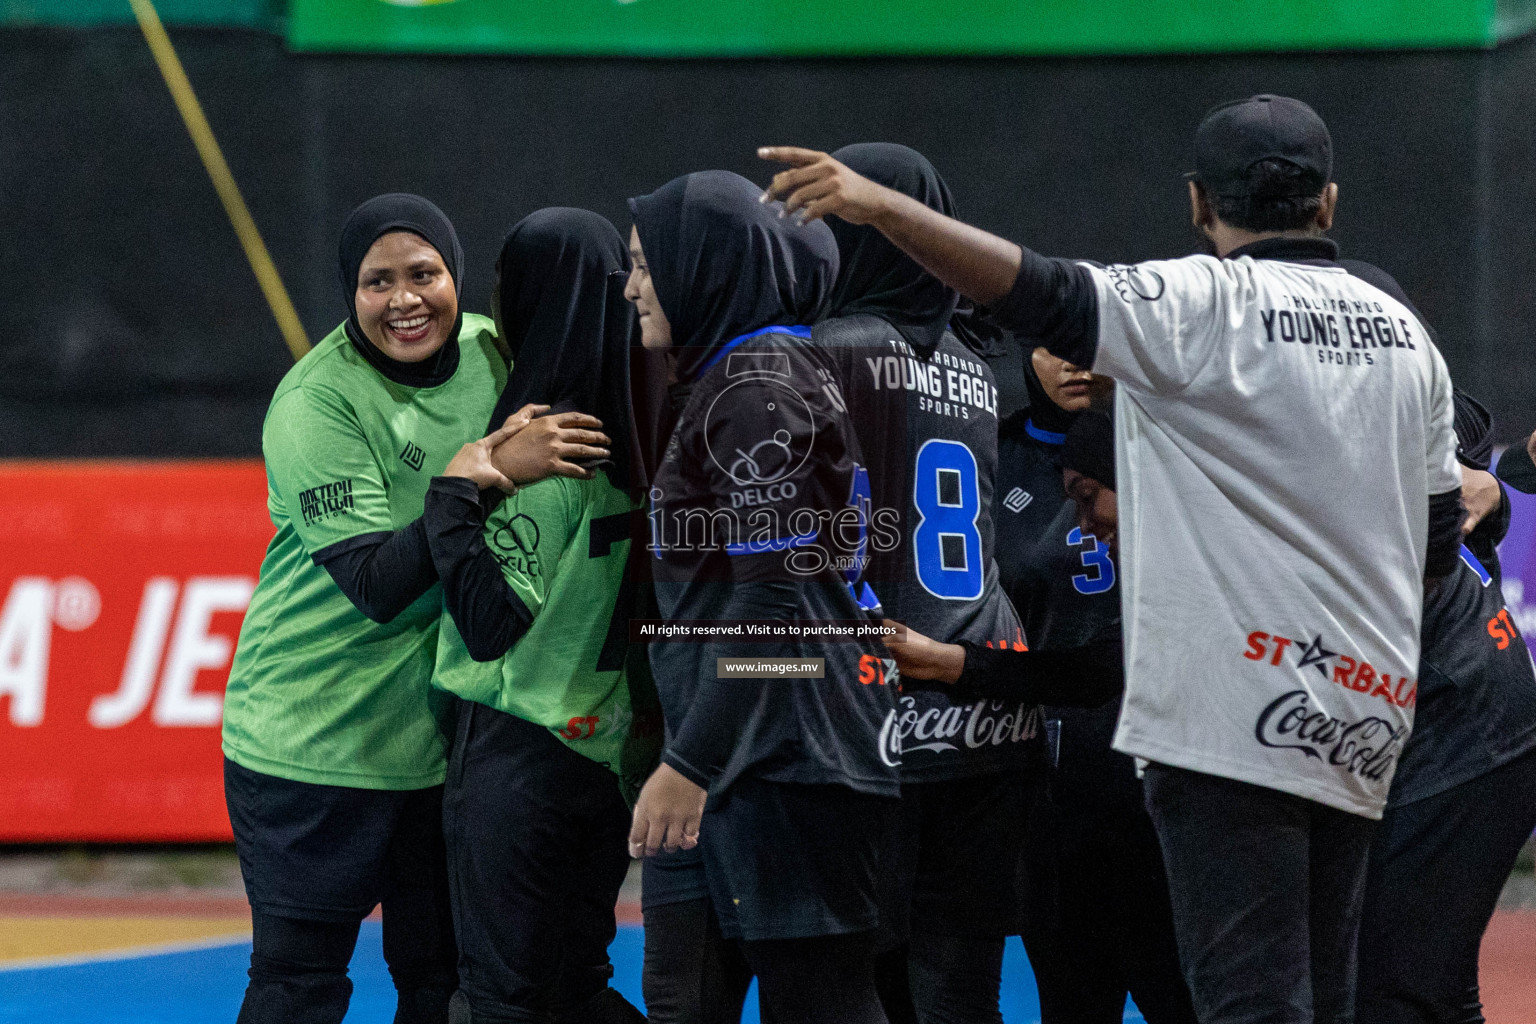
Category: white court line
[131,953]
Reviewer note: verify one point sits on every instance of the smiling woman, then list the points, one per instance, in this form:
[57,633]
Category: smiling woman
[794,768]
[401,269]
[406,303]
[333,741]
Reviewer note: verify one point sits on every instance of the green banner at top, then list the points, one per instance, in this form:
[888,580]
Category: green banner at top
[751,28]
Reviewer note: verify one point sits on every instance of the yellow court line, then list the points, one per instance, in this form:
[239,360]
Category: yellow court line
[30,940]
[223,181]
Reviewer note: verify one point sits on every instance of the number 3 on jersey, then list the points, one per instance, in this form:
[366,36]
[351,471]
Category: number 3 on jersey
[1101,574]
[946,545]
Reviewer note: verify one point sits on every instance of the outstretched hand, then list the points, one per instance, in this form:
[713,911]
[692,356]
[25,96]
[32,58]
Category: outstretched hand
[546,445]
[921,657]
[977,264]
[667,814]
[816,185]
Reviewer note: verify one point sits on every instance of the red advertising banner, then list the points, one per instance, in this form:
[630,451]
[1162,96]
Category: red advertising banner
[122,587]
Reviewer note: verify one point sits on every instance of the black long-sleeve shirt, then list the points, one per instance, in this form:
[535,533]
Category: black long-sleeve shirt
[1073,677]
[490,617]
[926,416]
[382,574]
[1476,692]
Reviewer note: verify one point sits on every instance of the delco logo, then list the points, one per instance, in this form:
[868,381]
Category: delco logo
[1359,676]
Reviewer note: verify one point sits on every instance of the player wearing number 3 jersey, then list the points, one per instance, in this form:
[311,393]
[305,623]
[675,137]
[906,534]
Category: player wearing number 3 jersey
[1097,922]
[535,642]
[925,409]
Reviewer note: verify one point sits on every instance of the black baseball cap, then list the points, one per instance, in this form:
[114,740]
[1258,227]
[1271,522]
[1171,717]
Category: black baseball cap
[1236,135]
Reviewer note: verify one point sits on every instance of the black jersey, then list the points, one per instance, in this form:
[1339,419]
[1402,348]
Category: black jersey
[1477,688]
[928,426]
[755,516]
[1061,580]
[1064,585]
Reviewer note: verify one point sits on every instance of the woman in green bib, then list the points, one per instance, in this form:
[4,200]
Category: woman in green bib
[535,640]
[334,745]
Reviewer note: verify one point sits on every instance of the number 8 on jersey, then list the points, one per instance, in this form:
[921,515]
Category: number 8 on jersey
[946,546]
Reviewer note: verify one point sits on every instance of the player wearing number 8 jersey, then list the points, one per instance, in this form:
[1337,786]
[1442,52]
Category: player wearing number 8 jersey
[534,640]
[925,407]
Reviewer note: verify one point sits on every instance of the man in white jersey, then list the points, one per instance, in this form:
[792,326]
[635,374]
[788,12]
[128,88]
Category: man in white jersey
[1288,485]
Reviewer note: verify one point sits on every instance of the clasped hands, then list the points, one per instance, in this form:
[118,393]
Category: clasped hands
[530,446]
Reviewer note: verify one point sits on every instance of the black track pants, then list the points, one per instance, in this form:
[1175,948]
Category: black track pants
[1267,890]
[537,852]
[692,973]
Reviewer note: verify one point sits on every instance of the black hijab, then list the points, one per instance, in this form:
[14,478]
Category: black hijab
[1474,431]
[725,265]
[401,211]
[1089,447]
[1044,414]
[878,278]
[561,310]
[976,330]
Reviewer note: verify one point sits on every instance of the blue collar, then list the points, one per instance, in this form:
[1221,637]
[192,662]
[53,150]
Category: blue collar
[798,332]
[1043,435]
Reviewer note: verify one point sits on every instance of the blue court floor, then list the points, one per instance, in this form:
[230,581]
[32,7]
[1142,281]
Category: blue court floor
[203,986]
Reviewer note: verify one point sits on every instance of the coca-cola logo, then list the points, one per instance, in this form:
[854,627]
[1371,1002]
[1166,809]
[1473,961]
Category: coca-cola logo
[986,723]
[1367,748]
[890,740]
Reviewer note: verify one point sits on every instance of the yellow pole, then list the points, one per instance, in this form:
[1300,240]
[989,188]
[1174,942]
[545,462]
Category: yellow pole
[223,182]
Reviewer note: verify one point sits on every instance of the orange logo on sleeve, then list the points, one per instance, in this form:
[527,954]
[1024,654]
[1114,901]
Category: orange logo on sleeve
[582,727]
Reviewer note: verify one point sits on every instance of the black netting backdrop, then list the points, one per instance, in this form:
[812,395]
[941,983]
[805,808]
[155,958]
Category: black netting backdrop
[133,325]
